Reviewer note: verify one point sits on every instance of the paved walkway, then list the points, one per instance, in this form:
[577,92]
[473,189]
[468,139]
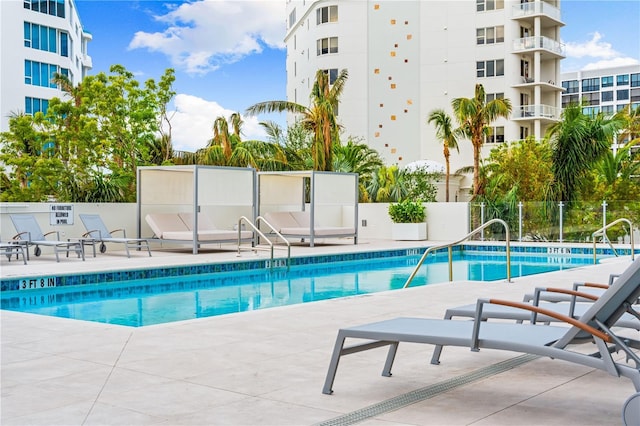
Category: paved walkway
[268,367]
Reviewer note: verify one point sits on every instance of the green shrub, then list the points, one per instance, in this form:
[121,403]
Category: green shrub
[407,211]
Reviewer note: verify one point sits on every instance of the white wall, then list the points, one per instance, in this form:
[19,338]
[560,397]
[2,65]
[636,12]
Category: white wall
[446,221]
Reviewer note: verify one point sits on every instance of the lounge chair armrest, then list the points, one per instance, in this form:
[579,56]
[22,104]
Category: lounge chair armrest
[576,286]
[19,236]
[574,293]
[53,232]
[124,232]
[89,234]
[553,314]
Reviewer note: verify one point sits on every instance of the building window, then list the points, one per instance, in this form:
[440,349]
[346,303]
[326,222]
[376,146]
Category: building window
[292,18]
[622,95]
[40,37]
[622,80]
[49,7]
[635,80]
[39,74]
[491,68]
[332,73]
[591,85]
[607,81]
[591,111]
[569,100]
[326,14]
[482,5]
[606,96]
[635,95]
[496,136]
[591,98]
[490,35]
[327,45]
[491,96]
[33,105]
[570,86]
[607,110]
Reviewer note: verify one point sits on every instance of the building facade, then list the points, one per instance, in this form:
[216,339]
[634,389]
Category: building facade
[407,58]
[606,90]
[38,38]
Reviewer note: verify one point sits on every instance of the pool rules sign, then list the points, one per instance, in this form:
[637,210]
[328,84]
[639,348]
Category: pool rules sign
[61,214]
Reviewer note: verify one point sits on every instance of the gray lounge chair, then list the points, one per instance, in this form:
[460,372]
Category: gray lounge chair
[98,232]
[29,231]
[543,340]
[12,248]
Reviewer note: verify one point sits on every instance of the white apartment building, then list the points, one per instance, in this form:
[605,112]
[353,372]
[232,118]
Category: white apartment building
[606,90]
[38,38]
[407,58]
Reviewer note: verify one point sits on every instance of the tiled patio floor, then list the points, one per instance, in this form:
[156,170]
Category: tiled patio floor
[268,367]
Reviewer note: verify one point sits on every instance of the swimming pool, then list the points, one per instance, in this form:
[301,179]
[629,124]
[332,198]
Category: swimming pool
[142,302]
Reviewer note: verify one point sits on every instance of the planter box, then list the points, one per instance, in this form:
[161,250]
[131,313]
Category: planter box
[409,231]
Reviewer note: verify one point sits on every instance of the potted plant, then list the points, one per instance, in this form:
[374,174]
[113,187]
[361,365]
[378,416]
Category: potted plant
[408,219]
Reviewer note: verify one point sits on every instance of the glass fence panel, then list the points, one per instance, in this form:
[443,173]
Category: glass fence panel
[571,222]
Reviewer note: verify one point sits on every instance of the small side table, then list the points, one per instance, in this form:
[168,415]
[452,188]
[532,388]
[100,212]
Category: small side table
[84,242]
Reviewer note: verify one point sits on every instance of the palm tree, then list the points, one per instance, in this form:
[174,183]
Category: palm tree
[319,118]
[388,184]
[578,142]
[474,117]
[357,158]
[449,137]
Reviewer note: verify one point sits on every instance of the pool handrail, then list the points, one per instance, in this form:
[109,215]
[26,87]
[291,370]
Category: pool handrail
[466,237]
[264,237]
[603,232]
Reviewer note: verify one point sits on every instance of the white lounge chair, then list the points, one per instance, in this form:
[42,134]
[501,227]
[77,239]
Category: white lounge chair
[98,232]
[544,340]
[29,231]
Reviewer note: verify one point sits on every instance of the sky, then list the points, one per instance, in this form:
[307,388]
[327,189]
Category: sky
[230,54]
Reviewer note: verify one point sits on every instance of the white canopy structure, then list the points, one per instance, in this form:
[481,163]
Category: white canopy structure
[207,200]
[331,210]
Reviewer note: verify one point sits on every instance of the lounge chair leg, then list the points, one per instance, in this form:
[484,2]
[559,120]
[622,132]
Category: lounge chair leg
[333,365]
[391,356]
[435,359]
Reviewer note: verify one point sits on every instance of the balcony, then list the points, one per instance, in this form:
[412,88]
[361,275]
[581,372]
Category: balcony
[546,113]
[87,62]
[549,48]
[550,15]
[545,85]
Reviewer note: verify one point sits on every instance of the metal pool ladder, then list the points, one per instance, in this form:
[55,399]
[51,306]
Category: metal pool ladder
[256,247]
[466,237]
[602,232]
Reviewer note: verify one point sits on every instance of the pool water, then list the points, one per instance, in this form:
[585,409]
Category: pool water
[138,303]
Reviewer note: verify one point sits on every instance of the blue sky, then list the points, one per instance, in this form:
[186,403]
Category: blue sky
[229,54]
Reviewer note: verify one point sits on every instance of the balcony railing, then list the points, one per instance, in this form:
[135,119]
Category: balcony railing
[537,111]
[538,42]
[536,8]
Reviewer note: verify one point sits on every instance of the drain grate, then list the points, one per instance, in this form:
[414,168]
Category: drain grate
[426,392]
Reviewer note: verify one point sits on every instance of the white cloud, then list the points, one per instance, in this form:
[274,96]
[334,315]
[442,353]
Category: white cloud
[192,123]
[595,48]
[595,54]
[202,35]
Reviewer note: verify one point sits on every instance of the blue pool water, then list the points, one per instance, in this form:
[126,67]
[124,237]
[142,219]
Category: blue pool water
[160,300]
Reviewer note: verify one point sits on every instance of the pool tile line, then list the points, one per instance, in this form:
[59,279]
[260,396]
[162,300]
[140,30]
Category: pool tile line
[16,283]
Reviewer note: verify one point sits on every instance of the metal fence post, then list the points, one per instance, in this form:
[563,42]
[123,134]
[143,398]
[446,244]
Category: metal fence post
[561,204]
[520,221]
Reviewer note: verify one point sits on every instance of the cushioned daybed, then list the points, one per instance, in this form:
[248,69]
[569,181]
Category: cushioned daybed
[178,228]
[297,224]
